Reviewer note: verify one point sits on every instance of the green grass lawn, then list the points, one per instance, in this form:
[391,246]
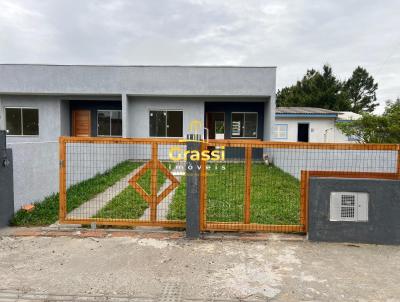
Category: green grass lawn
[129,204]
[46,211]
[275,195]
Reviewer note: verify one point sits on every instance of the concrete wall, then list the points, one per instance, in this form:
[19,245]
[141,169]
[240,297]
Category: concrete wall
[139,108]
[138,80]
[383,225]
[322,130]
[36,157]
[293,161]
[49,116]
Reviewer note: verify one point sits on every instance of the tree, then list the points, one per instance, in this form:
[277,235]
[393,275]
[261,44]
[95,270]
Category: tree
[316,89]
[361,89]
[376,129]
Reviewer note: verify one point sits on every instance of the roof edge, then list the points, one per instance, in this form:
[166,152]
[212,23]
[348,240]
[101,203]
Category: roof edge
[117,65]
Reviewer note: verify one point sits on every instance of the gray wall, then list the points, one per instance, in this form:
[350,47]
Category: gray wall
[49,116]
[36,157]
[138,80]
[139,107]
[383,224]
[293,161]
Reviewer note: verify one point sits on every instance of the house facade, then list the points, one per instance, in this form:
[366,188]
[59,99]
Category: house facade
[307,124]
[39,103]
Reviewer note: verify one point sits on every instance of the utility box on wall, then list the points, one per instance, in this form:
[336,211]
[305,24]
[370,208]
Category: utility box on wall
[354,210]
[348,206]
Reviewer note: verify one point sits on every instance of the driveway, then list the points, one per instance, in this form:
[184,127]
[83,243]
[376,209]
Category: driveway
[130,269]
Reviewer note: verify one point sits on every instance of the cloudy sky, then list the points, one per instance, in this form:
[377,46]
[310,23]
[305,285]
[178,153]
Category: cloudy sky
[293,35]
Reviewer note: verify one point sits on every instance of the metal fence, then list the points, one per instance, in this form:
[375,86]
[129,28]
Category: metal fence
[115,181]
[263,186]
[244,185]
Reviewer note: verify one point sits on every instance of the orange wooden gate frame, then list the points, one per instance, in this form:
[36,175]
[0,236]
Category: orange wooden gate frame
[154,164]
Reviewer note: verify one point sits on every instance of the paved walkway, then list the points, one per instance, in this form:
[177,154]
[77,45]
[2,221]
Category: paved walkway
[163,206]
[91,207]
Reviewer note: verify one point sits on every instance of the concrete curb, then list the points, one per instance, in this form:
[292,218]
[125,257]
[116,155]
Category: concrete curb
[158,233]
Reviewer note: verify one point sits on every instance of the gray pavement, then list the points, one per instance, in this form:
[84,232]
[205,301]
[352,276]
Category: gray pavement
[186,270]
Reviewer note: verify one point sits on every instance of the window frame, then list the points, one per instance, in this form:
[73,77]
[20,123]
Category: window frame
[244,122]
[97,122]
[166,122]
[22,121]
[287,131]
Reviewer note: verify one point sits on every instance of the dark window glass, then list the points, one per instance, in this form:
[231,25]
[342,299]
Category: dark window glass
[116,123]
[174,123]
[166,123]
[30,118]
[158,123]
[14,121]
[103,123]
[250,125]
[244,124]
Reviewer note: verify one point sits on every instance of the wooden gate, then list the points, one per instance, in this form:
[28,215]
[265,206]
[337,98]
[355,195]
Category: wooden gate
[263,186]
[252,186]
[119,181]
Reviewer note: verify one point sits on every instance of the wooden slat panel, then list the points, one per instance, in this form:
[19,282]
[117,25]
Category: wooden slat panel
[81,123]
[253,227]
[62,179]
[128,222]
[153,183]
[247,194]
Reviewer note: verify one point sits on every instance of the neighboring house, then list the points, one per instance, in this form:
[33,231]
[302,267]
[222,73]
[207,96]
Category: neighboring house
[308,124]
[39,103]
[345,117]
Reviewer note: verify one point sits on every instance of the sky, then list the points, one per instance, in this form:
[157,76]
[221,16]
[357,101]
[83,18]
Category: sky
[294,35]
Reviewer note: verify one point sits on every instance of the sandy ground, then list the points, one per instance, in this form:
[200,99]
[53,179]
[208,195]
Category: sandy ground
[262,270]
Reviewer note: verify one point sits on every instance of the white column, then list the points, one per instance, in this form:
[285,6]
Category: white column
[2,116]
[269,117]
[125,115]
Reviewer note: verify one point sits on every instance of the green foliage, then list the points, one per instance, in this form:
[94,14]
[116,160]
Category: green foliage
[129,204]
[324,90]
[275,195]
[360,89]
[46,211]
[376,129]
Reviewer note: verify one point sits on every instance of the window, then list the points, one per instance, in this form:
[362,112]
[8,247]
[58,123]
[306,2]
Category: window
[166,123]
[244,124]
[109,123]
[280,131]
[22,121]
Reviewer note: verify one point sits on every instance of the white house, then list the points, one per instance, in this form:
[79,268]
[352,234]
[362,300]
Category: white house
[307,124]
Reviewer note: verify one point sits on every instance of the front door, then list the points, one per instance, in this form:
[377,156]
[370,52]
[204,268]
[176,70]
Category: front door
[81,123]
[216,125]
[303,132]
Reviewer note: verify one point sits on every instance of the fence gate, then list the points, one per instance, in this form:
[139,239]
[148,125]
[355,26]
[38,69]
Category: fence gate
[263,186]
[118,181]
[244,185]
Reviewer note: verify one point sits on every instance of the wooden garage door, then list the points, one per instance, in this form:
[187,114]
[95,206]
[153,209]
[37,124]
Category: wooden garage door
[81,123]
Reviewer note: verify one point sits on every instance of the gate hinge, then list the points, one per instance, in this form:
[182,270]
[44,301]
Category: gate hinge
[62,163]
